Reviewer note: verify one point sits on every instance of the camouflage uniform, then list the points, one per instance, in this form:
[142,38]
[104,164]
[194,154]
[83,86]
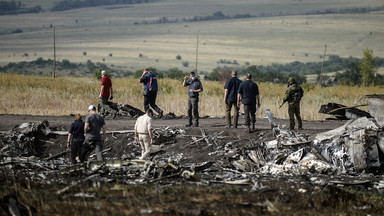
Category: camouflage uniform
[293,96]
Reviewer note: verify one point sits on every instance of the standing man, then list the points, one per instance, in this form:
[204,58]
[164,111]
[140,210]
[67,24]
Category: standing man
[293,95]
[195,87]
[248,94]
[93,140]
[143,133]
[150,91]
[230,99]
[76,137]
[106,93]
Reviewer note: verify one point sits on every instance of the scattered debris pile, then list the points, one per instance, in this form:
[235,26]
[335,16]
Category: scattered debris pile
[124,109]
[23,139]
[355,149]
[127,110]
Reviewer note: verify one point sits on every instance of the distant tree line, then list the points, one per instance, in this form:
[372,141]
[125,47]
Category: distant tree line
[222,74]
[25,67]
[354,71]
[220,15]
[74,4]
[332,64]
[353,10]
[13,7]
[225,61]
[173,73]
[215,16]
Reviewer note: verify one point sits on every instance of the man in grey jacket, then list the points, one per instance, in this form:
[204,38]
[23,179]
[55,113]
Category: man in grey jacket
[93,139]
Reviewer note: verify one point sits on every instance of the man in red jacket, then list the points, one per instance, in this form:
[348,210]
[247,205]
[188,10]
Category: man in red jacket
[106,93]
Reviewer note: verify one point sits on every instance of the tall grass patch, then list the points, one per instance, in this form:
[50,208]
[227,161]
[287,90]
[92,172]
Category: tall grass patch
[42,95]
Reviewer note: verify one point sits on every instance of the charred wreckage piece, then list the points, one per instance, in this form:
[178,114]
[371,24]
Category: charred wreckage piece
[126,110]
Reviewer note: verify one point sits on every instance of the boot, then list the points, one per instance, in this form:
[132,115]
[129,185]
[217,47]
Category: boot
[189,124]
[253,126]
[248,130]
[196,124]
[161,114]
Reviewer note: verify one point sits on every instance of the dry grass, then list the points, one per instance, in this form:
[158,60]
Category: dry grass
[42,95]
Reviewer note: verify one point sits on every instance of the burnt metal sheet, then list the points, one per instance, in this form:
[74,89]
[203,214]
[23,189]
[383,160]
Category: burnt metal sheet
[376,107]
[342,112]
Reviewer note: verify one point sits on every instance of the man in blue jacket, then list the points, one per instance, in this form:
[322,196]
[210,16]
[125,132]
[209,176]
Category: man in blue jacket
[149,80]
[230,99]
[248,94]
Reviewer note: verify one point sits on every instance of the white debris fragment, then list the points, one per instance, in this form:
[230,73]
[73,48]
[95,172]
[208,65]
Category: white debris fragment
[302,190]
[272,144]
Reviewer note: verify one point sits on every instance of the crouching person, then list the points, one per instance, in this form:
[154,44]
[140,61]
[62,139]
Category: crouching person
[143,133]
[93,140]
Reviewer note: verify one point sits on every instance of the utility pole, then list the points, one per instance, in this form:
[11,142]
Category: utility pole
[54,53]
[197,53]
[322,66]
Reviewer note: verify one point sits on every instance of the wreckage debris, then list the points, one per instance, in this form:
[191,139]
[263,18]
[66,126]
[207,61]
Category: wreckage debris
[126,110]
[355,148]
[376,104]
[341,112]
[23,139]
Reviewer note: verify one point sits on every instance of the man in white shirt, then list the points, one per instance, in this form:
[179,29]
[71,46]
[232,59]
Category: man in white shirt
[143,133]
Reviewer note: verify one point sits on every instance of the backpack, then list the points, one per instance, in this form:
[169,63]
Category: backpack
[297,94]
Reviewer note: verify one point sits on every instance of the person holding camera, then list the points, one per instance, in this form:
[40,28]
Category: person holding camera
[149,81]
[194,88]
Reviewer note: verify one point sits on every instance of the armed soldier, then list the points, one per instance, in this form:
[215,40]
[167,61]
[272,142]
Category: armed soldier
[293,96]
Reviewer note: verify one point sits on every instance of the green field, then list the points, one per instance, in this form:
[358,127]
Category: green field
[111,30]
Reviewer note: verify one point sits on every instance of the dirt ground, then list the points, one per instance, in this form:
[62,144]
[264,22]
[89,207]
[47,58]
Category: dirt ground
[124,123]
[275,194]
[209,125]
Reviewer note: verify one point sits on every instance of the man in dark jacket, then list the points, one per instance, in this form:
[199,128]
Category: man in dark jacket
[230,99]
[248,93]
[76,137]
[293,96]
[149,80]
[195,87]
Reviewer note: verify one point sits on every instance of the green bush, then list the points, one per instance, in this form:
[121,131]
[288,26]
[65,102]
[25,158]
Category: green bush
[97,73]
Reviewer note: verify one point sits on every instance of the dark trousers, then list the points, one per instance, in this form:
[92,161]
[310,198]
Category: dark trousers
[228,109]
[75,149]
[88,146]
[250,114]
[103,103]
[150,99]
[294,110]
[104,106]
[193,106]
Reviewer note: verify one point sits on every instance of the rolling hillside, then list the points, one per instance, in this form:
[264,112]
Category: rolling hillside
[279,32]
